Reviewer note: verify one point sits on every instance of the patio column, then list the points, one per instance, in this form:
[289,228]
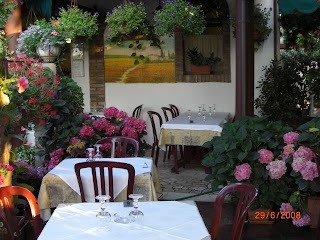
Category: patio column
[13,28]
[244,58]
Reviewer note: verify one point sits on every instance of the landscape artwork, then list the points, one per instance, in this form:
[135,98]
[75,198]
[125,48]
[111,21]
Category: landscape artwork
[157,65]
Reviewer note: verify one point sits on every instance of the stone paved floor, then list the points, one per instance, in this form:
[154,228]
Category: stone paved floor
[189,182]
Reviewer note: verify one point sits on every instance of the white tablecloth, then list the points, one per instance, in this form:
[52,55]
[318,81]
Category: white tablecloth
[212,123]
[163,220]
[65,170]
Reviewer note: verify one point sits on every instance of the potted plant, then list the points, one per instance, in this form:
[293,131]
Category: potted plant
[126,21]
[179,14]
[201,64]
[261,29]
[74,22]
[269,155]
[41,37]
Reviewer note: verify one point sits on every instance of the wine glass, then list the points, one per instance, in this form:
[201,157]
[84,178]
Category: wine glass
[210,111]
[203,109]
[90,157]
[189,114]
[104,217]
[98,153]
[214,109]
[136,215]
[199,113]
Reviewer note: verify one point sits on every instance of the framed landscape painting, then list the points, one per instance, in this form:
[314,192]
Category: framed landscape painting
[156,64]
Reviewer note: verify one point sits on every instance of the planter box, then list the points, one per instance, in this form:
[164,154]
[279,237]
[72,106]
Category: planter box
[200,70]
[313,209]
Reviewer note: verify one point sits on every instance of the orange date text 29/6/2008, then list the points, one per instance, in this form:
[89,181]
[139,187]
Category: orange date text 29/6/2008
[259,215]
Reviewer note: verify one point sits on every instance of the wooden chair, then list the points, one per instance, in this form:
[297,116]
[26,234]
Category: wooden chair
[166,112]
[121,146]
[104,166]
[175,110]
[154,116]
[137,111]
[248,193]
[7,209]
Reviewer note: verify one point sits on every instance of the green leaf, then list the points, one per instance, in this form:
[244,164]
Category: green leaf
[215,185]
[136,62]
[139,46]
[141,57]
[242,156]
[133,54]
[131,45]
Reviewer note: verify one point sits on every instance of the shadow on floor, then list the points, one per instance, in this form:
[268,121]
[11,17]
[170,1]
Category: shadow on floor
[279,230]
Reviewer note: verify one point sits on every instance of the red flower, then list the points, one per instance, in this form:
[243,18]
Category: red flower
[53,113]
[47,107]
[40,80]
[33,100]
[30,71]
[56,80]
[23,83]
[50,94]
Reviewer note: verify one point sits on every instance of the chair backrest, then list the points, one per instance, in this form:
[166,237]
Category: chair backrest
[247,193]
[167,110]
[122,146]
[104,166]
[175,110]
[6,194]
[153,118]
[137,111]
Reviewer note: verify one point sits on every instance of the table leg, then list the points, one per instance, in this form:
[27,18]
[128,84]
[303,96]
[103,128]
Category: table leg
[175,158]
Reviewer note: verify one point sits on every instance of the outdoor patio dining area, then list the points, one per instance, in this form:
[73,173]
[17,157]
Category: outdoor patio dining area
[162,120]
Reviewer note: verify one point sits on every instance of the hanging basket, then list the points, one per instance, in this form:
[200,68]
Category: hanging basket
[49,53]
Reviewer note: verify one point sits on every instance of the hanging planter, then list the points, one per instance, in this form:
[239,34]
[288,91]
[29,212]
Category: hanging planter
[179,13]
[126,21]
[48,54]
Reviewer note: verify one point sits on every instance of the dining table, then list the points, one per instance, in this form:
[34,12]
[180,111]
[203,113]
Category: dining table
[60,185]
[162,220]
[191,129]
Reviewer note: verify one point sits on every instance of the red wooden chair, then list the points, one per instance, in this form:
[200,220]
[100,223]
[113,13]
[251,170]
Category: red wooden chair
[137,111]
[155,117]
[7,209]
[121,146]
[104,166]
[248,193]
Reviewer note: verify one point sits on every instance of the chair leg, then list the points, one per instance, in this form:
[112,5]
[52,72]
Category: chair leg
[152,150]
[157,156]
[165,154]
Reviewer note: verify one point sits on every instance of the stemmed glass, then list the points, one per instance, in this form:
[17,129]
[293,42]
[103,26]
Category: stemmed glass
[210,111]
[103,216]
[189,114]
[136,215]
[214,109]
[98,153]
[90,152]
[199,113]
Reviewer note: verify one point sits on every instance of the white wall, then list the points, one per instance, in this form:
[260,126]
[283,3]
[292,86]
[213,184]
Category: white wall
[184,95]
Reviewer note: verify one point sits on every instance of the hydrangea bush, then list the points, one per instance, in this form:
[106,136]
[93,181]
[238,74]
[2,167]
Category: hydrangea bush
[279,161]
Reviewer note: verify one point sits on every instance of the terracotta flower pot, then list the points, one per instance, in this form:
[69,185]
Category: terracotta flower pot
[200,70]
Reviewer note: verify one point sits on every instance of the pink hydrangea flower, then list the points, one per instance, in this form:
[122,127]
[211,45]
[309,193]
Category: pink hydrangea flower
[298,164]
[304,152]
[288,151]
[310,171]
[290,137]
[286,207]
[101,124]
[74,140]
[303,221]
[121,115]
[110,112]
[266,156]
[276,169]
[54,33]
[243,172]
[111,130]
[130,132]
[86,131]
